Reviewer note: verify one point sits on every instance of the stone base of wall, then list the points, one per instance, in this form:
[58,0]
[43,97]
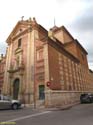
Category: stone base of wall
[61,98]
[53,99]
[26,98]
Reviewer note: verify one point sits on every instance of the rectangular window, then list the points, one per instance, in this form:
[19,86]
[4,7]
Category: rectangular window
[19,42]
[39,54]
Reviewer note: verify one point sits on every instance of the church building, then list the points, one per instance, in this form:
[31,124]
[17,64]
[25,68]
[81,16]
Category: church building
[38,61]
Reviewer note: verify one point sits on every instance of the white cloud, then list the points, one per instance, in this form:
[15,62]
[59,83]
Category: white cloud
[64,11]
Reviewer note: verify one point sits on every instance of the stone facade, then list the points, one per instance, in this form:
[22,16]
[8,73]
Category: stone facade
[2,69]
[61,98]
[35,57]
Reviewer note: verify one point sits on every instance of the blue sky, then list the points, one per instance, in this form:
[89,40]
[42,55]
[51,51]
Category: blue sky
[75,15]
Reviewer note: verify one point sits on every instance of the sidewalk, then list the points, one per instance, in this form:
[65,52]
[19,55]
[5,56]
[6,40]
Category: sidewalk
[65,107]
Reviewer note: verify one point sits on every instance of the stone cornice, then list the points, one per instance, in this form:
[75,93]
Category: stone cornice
[17,36]
[20,69]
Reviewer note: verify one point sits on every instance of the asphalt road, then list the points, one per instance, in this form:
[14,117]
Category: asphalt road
[79,115]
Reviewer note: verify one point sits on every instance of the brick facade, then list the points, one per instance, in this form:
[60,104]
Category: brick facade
[36,56]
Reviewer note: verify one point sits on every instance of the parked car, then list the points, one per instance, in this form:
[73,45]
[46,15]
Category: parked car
[6,102]
[86,98]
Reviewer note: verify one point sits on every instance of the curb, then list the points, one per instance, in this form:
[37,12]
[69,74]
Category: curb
[67,107]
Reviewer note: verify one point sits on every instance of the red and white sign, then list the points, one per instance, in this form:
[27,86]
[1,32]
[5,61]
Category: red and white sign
[48,84]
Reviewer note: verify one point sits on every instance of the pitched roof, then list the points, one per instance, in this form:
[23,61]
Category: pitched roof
[57,44]
[56,29]
[77,43]
[16,26]
[91,71]
[23,23]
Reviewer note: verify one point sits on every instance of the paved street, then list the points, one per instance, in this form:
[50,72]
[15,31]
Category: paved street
[78,115]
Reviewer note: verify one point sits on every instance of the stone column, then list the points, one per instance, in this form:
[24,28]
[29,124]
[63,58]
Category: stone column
[46,62]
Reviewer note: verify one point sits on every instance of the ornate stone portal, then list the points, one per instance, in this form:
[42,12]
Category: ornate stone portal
[16,81]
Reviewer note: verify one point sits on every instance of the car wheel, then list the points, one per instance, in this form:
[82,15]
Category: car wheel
[15,106]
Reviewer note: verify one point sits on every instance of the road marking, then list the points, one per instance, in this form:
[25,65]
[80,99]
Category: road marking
[28,116]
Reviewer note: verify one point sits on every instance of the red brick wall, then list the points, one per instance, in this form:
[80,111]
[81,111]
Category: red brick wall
[78,53]
[54,68]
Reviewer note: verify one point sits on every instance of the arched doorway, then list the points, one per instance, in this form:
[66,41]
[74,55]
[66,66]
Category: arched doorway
[16,88]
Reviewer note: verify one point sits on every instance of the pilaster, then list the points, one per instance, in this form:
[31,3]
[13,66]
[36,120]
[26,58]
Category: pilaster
[6,85]
[46,64]
[32,36]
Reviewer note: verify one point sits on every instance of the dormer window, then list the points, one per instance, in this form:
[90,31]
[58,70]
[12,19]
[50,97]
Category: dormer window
[19,43]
